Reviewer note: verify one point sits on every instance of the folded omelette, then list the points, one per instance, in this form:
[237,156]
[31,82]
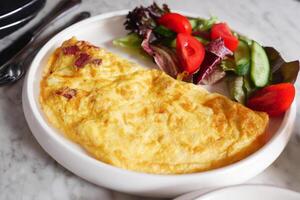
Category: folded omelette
[141,119]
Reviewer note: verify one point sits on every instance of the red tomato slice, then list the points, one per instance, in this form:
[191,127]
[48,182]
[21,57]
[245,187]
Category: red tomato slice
[190,52]
[221,30]
[273,99]
[176,22]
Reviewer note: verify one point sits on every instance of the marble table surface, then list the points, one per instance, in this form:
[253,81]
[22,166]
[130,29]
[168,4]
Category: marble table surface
[26,170]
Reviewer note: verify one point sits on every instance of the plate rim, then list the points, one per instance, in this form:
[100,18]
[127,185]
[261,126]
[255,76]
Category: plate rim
[198,195]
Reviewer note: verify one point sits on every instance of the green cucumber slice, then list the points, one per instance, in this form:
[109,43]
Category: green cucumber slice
[260,67]
[242,58]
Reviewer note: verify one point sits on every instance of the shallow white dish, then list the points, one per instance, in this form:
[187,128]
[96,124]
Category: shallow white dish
[101,30]
[245,192]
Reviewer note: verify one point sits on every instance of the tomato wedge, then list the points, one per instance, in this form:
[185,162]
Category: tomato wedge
[222,30]
[273,99]
[176,22]
[190,52]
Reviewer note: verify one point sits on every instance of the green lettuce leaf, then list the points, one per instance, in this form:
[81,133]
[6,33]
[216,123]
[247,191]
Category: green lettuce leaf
[228,64]
[131,40]
[236,88]
[200,24]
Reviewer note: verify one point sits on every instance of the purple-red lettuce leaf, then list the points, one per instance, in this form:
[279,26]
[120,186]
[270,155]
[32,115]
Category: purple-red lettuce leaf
[213,77]
[210,71]
[166,60]
[218,48]
[274,57]
[164,57]
[209,66]
[146,42]
[142,18]
[288,72]
[281,71]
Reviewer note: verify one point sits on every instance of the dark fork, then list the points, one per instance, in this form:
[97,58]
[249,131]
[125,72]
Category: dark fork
[62,8]
[14,69]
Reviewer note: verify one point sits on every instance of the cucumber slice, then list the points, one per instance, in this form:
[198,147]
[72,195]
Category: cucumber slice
[242,58]
[260,67]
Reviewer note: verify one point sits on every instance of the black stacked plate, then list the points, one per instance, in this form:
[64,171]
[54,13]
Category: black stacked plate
[16,13]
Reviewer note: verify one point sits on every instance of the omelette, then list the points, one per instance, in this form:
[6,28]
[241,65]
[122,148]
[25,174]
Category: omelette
[142,119]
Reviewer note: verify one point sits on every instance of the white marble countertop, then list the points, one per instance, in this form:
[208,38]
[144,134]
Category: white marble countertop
[26,170]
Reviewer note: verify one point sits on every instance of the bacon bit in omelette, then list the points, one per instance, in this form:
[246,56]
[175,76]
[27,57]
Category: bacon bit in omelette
[67,92]
[82,60]
[71,50]
[93,46]
[87,45]
[97,61]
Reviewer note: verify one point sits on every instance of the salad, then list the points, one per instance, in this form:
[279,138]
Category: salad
[204,51]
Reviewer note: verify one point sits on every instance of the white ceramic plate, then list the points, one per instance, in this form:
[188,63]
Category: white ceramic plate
[101,30]
[244,192]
